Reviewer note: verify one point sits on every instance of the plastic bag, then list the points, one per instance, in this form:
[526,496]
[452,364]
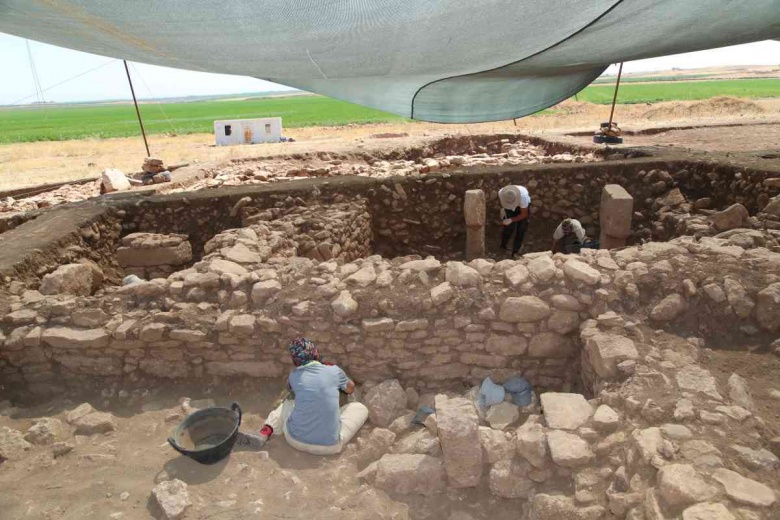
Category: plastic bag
[490,393]
[520,389]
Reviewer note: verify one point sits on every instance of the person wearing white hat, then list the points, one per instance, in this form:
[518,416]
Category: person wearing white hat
[515,205]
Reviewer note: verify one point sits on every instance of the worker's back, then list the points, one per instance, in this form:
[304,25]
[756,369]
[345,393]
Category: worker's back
[316,419]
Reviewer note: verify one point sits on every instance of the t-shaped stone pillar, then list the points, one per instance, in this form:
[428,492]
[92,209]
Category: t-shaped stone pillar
[617,208]
[474,212]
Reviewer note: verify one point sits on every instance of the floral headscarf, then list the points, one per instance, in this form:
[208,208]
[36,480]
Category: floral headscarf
[303,351]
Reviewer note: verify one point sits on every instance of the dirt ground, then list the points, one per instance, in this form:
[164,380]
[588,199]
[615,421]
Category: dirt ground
[31,164]
[276,483]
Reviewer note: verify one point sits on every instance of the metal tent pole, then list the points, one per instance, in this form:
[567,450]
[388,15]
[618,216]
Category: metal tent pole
[138,112]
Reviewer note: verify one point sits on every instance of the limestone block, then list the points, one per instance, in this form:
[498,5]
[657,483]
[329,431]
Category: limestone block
[74,279]
[442,293]
[461,275]
[561,507]
[474,208]
[496,445]
[531,443]
[735,216]
[509,479]
[744,490]
[152,249]
[114,180]
[408,473]
[385,402]
[617,208]
[568,450]
[606,351]
[64,337]
[768,308]
[581,272]
[458,429]
[550,345]
[680,485]
[523,309]
[244,368]
[172,498]
[565,411]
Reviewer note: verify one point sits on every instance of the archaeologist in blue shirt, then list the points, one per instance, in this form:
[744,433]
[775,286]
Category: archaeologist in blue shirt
[515,207]
[313,422]
[569,237]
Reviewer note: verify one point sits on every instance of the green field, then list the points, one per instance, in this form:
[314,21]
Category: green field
[682,91]
[119,120]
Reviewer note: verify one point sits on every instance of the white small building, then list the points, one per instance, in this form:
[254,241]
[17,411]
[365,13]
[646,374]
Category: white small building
[248,131]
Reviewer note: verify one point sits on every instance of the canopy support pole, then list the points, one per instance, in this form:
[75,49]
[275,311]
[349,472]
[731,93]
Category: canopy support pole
[138,112]
[614,98]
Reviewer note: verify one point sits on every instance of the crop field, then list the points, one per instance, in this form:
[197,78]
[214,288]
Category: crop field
[56,123]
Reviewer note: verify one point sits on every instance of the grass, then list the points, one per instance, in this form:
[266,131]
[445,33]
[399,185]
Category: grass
[682,91]
[119,120]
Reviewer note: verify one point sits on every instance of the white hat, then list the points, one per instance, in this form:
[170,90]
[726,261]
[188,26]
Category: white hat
[509,197]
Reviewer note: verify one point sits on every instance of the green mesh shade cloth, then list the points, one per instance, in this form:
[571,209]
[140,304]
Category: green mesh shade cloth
[436,60]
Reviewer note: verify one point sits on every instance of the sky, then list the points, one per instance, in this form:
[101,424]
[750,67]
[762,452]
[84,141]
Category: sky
[100,78]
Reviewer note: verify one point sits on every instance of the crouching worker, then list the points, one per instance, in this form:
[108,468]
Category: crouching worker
[569,237]
[515,205]
[312,421]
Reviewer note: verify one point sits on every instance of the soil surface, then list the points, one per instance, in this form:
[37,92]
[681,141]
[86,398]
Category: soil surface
[276,483]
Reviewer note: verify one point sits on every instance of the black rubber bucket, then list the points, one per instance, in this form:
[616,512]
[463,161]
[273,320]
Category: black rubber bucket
[207,436]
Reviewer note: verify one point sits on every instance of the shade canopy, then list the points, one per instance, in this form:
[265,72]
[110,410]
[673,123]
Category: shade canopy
[436,60]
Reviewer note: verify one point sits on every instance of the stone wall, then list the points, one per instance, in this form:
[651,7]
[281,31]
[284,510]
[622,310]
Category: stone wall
[421,321]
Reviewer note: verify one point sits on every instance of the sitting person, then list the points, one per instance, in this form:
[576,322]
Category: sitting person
[568,237]
[312,421]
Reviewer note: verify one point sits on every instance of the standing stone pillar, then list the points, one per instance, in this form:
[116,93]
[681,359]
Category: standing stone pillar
[474,212]
[617,208]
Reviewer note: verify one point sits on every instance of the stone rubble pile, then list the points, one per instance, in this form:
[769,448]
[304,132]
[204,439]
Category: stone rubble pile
[501,152]
[664,443]
[61,195]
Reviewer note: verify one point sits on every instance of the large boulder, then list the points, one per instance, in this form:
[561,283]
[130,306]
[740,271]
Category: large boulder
[735,216]
[405,474]
[73,279]
[458,429]
[707,511]
[64,337]
[385,402]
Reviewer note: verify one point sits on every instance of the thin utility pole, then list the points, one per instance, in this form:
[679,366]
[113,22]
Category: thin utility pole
[138,112]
